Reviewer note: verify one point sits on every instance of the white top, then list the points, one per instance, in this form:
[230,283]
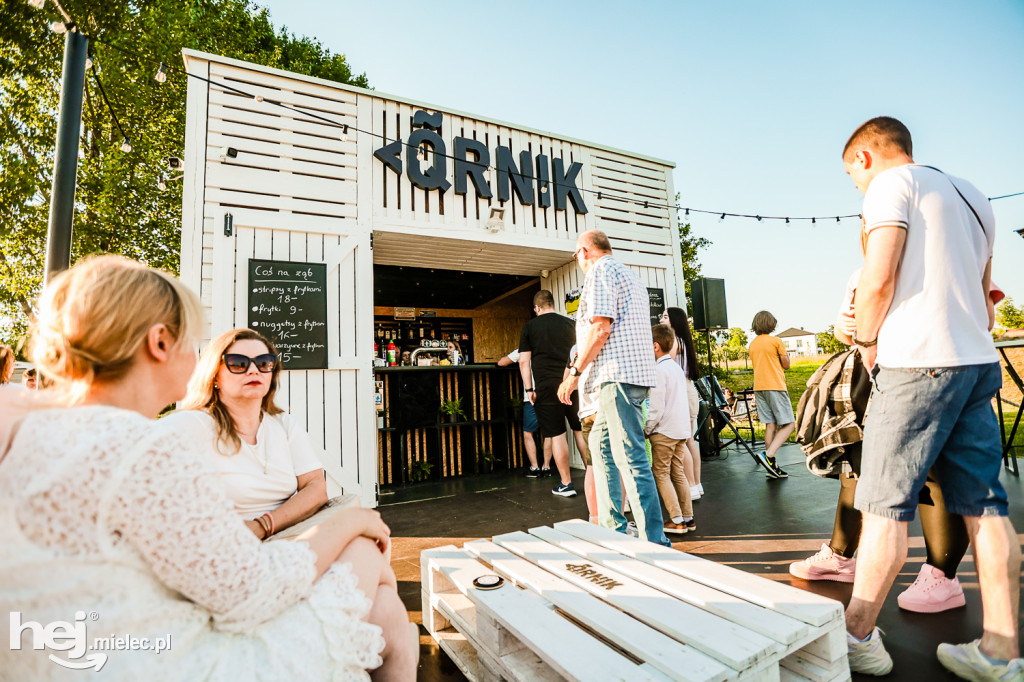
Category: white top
[938,316]
[668,412]
[261,477]
[588,401]
[101,514]
[514,357]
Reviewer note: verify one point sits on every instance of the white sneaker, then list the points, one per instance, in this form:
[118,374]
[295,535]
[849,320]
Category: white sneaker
[694,493]
[868,657]
[700,489]
[631,529]
[967,661]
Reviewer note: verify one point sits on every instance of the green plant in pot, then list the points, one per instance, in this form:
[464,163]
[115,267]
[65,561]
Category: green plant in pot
[420,470]
[453,408]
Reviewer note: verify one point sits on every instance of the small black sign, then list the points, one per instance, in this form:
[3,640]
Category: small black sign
[288,304]
[657,297]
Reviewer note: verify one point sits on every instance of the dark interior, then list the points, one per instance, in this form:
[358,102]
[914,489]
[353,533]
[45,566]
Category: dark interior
[436,288]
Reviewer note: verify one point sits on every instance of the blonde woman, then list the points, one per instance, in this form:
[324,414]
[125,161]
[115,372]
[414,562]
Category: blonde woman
[266,463]
[102,514]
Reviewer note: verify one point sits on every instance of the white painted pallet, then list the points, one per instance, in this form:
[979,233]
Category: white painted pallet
[582,602]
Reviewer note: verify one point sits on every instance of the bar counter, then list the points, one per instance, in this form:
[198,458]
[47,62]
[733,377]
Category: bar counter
[416,441]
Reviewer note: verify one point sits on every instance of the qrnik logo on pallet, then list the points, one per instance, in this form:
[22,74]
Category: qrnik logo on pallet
[73,638]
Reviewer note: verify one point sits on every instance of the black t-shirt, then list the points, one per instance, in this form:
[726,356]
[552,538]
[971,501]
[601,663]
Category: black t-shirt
[549,337]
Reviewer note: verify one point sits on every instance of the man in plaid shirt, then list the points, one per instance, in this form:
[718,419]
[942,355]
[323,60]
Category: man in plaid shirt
[616,360]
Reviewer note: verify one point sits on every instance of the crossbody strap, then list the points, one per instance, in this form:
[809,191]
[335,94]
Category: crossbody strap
[976,216]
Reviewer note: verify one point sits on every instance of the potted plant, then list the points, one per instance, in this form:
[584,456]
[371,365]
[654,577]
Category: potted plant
[453,408]
[420,470]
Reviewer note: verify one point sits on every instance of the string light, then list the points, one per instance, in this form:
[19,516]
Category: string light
[161,75]
[36,4]
[161,184]
[421,151]
[126,146]
[59,27]
[88,62]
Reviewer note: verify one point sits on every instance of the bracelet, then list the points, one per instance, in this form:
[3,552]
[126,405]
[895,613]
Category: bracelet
[863,344]
[269,516]
[263,526]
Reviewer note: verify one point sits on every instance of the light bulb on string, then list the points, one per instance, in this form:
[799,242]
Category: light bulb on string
[787,221]
[126,146]
[722,219]
[837,219]
[258,98]
[344,133]
[421,154]
[687,212]
[161,184]
[161,75]
[88,62]
[814,221]
[36,4]
[758,218]
[59,27]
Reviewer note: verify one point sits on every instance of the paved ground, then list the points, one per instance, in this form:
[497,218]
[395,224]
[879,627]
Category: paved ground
[745,521]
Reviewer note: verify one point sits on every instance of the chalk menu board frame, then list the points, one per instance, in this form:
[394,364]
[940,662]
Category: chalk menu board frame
[291,320]
[657,303]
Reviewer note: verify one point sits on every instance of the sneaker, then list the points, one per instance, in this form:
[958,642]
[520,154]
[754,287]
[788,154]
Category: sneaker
[694,493]
[932,592]
[776,471]
[869,657]
[825,565]
[564,489]
[632,530]
[700,489]
[690,525]
[532,472]
[769,464]
[677,528]
[967,661]
[545,472]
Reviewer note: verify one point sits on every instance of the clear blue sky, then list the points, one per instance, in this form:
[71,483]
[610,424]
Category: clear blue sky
[753,101]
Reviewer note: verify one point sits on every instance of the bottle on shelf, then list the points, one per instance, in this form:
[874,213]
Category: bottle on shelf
[392,354]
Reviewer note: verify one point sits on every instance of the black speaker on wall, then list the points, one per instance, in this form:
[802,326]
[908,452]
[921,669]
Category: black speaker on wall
[708,299]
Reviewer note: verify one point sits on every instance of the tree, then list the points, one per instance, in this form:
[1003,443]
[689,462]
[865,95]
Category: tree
[735,343]
[118,206]
[690,246]
[1009,316]
[828,343]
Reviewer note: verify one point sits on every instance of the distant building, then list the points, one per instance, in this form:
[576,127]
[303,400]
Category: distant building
[799,341]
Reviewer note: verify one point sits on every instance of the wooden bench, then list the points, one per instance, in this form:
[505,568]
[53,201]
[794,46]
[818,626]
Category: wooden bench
[581,602]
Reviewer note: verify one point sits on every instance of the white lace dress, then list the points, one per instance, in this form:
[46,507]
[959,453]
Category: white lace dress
[100,515]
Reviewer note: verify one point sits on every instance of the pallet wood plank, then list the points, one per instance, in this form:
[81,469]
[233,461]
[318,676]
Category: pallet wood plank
[530,618]
[677,661]
[805,606]
[733,645]
[782,629]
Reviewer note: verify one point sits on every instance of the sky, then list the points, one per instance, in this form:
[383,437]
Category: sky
[752,101]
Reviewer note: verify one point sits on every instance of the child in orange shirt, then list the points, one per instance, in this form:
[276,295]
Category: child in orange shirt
[774,408]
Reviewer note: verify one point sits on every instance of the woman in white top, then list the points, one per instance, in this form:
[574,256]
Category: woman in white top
[111,528]
[267,465]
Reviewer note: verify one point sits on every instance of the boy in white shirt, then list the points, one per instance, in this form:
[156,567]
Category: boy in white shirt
[668,427]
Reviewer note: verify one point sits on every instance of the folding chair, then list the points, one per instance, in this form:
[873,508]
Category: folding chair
[744,410]
[711,392]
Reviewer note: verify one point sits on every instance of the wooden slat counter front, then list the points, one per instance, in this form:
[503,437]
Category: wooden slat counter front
[417,442]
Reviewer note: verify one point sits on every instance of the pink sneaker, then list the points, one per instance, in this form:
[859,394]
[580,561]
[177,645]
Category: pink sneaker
[825,565]
[932,592]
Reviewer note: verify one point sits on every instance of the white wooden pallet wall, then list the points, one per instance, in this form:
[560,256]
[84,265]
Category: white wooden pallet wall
[296,190]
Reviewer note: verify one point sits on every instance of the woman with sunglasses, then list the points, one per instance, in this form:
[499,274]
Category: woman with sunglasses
[266,463]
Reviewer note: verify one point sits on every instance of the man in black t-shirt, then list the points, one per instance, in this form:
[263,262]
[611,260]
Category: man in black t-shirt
[543,347]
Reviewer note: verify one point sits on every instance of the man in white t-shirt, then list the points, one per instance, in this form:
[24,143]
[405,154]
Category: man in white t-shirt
[922,323]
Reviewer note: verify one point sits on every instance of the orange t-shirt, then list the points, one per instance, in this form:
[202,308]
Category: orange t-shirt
[765,350]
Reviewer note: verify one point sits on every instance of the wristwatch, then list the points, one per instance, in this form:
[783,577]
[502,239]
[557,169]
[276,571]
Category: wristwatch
[573,372]
[863,344]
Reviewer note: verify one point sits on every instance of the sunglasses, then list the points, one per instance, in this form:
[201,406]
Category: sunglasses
[239,364]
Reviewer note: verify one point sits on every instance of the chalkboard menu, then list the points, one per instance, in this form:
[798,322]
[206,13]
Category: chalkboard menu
[288,305]
[657,297]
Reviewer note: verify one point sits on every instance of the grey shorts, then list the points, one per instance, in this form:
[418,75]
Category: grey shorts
[925,418]
[774,407]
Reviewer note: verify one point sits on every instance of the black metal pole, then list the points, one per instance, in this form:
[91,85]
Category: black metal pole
[65,164]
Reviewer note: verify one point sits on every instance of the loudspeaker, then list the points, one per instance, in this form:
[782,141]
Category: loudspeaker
[708,309]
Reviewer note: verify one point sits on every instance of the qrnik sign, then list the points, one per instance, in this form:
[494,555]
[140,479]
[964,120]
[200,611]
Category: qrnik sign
[535,179]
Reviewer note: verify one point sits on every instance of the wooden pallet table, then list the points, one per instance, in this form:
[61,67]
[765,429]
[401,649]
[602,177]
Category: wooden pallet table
[581,602]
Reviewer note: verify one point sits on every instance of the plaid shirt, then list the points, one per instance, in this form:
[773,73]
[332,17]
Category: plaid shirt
[613,290]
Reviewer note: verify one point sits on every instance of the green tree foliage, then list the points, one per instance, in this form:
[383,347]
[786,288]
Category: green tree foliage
[1008,315]
[119,208]
[828,343]
[735,344]
[690,246]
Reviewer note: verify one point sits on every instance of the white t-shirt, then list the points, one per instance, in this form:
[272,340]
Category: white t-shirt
[938,316]
[261,477]
[514,357]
